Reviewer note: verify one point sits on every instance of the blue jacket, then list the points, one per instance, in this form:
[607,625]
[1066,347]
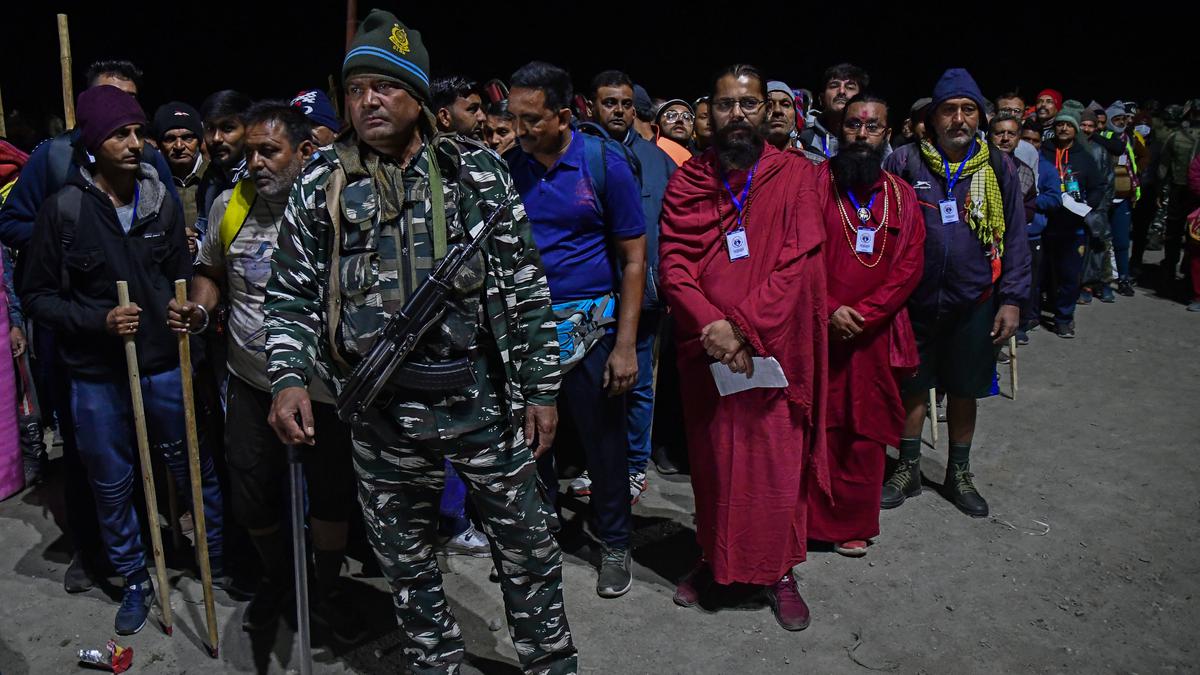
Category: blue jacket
[958,272]
[1049,197]
[36,185]
[1092,185]
[657,168]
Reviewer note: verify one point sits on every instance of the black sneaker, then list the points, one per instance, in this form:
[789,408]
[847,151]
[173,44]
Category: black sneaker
[1065,329]
[615,579]
[662,461]
[904,482]
[263,609]
[960,489]
[1125,288]
[135,608]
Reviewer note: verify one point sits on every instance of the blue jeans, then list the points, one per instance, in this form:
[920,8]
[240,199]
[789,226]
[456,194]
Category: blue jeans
[1121,220]
[1063,257]
[640,416]
[103,413]
[601,421]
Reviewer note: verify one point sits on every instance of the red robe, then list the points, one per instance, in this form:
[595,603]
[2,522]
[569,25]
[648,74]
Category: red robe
[865,410]
[753,454]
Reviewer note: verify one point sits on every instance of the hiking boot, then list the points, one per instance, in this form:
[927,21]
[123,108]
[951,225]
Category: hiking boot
[263,610]
[691,587]
[469,542]
[637,485]
[904,482]
[615,578]
[790,609]
[135,607]
[1125,288]
[960,489]
[336,614]
[581,486]
[34,468]
[77,579]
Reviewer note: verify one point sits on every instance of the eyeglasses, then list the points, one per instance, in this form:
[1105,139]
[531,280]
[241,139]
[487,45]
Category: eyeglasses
[673,116]
[873,128]
[1015,112]
[748,105]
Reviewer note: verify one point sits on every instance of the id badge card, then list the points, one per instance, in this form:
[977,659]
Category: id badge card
[1122,160]
[949,209]
[866,240]
[735,242]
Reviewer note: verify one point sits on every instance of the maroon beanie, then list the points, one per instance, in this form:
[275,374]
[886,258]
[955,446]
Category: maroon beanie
[102,110]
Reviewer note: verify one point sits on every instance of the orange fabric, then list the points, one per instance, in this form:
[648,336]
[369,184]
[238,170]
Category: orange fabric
[675,151]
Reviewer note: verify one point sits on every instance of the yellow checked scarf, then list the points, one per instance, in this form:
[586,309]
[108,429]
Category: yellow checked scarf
[985,203]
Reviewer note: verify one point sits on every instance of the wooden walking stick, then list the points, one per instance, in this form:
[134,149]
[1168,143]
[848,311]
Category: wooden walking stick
[351,21]
[143,441]
[1012,364]
[199,526]
[933,414]
[3,127]
[64,57]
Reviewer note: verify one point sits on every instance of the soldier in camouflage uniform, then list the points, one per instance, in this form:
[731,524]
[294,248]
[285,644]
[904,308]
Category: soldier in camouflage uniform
[360,233]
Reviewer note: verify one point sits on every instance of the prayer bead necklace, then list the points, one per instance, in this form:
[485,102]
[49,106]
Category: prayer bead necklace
[849,229]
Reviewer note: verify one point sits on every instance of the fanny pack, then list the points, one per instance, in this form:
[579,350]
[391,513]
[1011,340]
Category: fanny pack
[581,324]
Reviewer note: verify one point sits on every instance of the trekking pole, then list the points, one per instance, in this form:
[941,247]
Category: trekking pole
[933,414]
[300,558]
[199,526]
[143,441]
[64,57]
[1012,362]
[351,21]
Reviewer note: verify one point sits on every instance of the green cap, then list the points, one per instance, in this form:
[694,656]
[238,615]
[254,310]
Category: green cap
[384,46]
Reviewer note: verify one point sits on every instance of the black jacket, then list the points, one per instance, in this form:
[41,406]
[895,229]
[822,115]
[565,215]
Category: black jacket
[69,281]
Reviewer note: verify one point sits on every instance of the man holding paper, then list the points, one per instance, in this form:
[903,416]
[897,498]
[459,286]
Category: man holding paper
[742,272]
[874,257]
[1065,238]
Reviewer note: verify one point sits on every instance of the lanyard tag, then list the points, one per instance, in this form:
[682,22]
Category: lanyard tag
[866,240]
[949,208]
[735,241]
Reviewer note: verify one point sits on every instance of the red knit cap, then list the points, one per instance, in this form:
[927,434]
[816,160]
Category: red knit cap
[1052,93]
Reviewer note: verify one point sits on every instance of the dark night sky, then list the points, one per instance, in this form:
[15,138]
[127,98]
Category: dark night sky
[272,49]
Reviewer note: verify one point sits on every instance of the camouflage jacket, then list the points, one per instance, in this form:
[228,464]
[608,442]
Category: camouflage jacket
[384,250]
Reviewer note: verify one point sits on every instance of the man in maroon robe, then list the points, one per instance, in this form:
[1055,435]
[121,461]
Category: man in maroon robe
[742,272]
[874,255]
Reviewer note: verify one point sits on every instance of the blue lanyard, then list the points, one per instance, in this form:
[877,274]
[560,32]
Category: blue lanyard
[137,197]
[739,203]
[825,145]
[951,182]
[857,206]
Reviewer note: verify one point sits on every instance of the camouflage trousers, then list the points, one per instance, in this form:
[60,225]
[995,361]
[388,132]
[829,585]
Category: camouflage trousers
[399,485]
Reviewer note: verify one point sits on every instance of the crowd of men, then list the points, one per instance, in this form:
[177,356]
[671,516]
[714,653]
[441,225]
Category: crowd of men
[758,287]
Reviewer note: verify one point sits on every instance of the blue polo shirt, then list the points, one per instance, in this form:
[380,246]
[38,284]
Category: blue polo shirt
[571,224]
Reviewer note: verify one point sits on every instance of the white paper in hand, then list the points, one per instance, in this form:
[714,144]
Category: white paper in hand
[768,374]
[1078,208]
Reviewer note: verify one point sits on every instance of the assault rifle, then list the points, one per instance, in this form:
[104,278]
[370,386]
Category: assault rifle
[422,310]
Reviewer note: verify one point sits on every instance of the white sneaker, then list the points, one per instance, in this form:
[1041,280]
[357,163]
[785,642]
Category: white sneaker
[469,542]
[582,485]
[637,485]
